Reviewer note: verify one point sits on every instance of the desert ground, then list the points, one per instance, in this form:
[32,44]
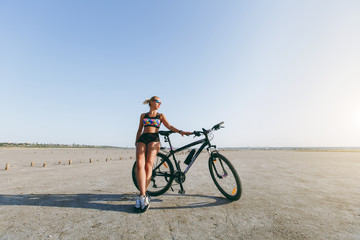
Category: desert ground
[286,195]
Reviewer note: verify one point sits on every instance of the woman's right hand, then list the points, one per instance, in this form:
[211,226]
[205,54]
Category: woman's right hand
[184,133]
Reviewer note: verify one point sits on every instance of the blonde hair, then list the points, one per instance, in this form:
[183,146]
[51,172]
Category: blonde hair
[147,101]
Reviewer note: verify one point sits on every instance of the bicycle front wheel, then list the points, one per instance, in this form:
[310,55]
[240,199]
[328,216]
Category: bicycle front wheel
[162,176]
[225,176]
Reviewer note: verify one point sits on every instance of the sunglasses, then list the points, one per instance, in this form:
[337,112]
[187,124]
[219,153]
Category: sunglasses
[158,101]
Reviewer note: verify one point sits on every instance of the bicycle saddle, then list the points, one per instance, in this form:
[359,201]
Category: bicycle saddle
[165,133]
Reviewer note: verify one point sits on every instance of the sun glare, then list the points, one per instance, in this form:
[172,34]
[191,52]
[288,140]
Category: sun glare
[357,119]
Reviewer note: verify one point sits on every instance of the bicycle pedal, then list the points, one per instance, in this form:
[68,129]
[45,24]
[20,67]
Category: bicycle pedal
[181,191]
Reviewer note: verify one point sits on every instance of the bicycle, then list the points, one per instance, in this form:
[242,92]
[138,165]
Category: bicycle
[221,170]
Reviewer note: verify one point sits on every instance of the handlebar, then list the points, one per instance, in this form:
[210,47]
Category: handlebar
[217,126]
[204,131]
[196,133]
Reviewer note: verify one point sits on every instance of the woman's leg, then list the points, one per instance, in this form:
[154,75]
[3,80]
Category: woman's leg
[140,167]
[152,150]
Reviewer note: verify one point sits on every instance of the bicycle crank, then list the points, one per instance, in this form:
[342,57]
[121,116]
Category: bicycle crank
[179,177]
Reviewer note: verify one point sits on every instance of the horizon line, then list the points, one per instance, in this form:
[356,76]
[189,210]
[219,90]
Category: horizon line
[26,144]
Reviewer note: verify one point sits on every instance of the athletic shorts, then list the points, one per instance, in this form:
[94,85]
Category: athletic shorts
[148,138]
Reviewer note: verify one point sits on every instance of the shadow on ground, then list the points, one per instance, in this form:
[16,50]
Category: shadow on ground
[107,202]
[186,201]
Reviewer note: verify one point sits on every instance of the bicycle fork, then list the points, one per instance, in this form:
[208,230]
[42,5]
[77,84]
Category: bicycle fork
[213,160]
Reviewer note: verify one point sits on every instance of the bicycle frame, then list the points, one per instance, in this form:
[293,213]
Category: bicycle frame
[219,166]
[205,142]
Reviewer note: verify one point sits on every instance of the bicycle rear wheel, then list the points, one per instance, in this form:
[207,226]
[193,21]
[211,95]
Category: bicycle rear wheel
[225,176]
[162,175]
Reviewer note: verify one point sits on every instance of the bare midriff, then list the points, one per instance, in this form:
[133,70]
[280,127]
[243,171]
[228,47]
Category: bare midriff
[150,130]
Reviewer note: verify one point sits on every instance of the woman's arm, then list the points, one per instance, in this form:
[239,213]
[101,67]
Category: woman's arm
[141,124]
[172,128]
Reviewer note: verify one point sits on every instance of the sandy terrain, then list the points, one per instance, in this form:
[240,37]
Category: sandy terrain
[286,195]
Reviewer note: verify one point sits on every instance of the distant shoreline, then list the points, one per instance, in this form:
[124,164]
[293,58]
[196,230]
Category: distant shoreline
[292,149]
[45,145]
[304,149]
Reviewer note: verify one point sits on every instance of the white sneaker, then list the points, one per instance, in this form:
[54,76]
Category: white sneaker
[137,204]
[144,200]
[147,201]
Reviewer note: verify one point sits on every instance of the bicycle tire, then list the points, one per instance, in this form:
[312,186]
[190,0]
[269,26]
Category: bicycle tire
[162,175]
[225,176]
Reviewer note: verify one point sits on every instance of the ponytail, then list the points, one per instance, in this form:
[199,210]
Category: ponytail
[147,101]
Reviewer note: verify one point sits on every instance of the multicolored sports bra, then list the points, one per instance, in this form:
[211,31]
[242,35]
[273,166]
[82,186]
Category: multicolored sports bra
[152,121]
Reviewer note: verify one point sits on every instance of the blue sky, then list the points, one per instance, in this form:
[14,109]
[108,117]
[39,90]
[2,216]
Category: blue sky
[278,73]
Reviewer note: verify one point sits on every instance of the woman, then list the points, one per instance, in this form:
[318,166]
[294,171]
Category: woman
[147,146]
